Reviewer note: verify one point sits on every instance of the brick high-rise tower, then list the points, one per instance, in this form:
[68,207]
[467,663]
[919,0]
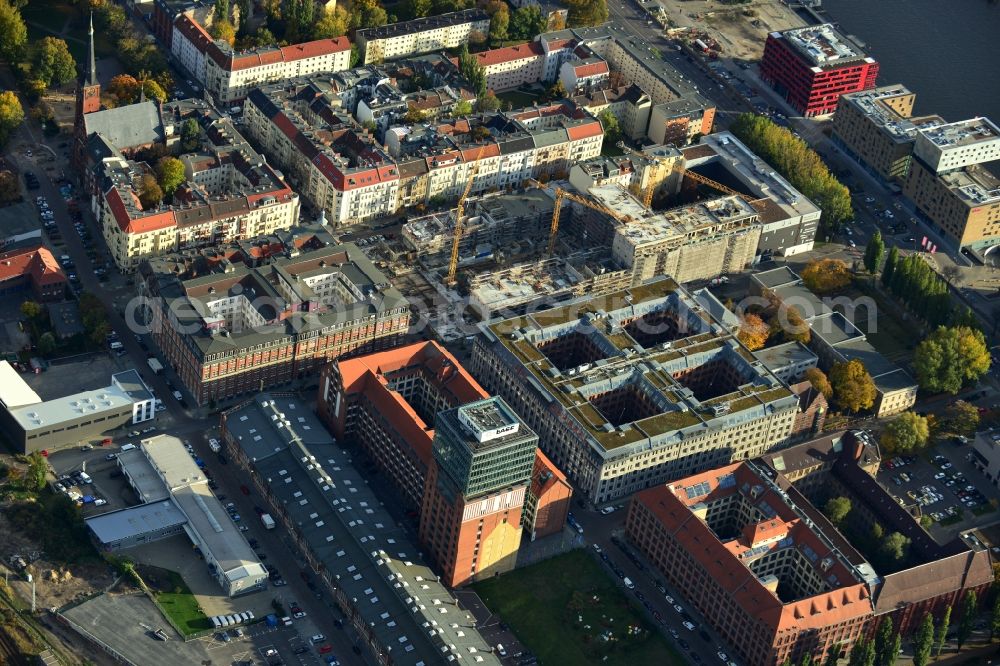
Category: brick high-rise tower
[483,457]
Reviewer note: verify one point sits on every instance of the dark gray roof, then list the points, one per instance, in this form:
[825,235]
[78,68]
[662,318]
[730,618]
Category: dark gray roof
[135,521]
[126,126]
[65,319]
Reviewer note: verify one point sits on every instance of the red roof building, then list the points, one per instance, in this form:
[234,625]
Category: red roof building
[35,269]
[546,506]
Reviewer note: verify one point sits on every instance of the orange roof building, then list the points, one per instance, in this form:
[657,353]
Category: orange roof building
[35,269]
[547,504]
[754,562]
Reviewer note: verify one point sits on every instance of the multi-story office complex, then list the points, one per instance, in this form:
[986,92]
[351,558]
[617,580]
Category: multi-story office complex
[230,192]
[949,186]
[359,555]
[477,482]
[767,571]
[386,403]
[422,35]
[32,424]
[634,388]
[229,75]
[878,129]
[812,67]
[238,319]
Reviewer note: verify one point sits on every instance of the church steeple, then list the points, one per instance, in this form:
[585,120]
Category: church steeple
[92,72]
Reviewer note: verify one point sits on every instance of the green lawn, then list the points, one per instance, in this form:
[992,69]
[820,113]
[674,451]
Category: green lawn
[568,611]
[175,599]
[893,338]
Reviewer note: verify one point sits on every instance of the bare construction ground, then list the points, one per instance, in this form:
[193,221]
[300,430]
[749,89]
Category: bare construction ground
[740,29]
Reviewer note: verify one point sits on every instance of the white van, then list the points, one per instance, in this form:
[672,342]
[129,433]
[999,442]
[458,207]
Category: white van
[224,620]
[244,617]
[500,650]
[629,584]
[128,447]
[216,623]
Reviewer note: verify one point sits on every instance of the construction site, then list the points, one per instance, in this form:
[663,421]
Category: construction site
[617,222]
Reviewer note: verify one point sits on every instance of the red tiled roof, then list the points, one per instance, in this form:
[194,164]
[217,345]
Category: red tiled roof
[585,131]
[510,53]
[38,262]
[591,69]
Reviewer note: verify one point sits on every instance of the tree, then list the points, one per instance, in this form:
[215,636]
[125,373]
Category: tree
[488,102]
[894,548]
[221,10]
[10,187]
[833,656]
[970,605]
[412,9]
[874,253]
[853,388]
[11,114]
[368,14]
[223,29]
[863,653]
[803,168]
[788,325]
[154,90]
[150,193]
[612,129]
[414,116]
[526,22]
[907,433]
[31,309]
[819,381]
[923,642]
[37,469]
[890,265]
[332,24]
[556,91]
[994,618]
[246,11]
[807,660]
[586,13]
[190,135]
[942,630]
[960,418]
[949,357]
[753,331]
[13,32]
[52,63]
[170,174]
[884,654]
[462,109]
[46,343]
[825,276]
[836,509]
[499,25]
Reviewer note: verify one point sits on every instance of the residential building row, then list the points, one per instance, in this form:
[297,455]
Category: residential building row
[421,35]
[234,319]
[341,168]
[748,546]
[229,75]
[936,164]
[229,192]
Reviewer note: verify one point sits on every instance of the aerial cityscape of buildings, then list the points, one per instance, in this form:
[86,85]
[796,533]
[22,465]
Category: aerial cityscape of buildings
[499,345]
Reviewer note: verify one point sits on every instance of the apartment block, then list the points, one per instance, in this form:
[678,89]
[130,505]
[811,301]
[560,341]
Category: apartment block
[237,319]
[635,388]
[422,35]
[230,191]
[510,67]
[229,75]
[483,460]
[628,104]
[812,67]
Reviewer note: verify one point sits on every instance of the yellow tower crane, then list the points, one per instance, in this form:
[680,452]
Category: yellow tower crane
[563,194]
[459,212]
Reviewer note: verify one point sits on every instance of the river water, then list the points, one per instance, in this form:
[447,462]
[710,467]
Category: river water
[946,51]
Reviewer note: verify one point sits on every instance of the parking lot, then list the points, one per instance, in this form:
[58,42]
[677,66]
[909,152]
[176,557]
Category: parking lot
[92,472]
[946,487]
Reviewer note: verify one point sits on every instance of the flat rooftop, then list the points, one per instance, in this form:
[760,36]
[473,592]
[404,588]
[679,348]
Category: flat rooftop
[873,104]
[784,355]
[44,415]
[361,547]
[835,329]
[822,45]
[131,382]
[612,362]
[776,277]
[147,483]
[974,185]
[134,521]
[962,133]
[14,391]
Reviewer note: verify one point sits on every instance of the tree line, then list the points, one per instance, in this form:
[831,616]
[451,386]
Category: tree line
[914,283]
[796,161]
